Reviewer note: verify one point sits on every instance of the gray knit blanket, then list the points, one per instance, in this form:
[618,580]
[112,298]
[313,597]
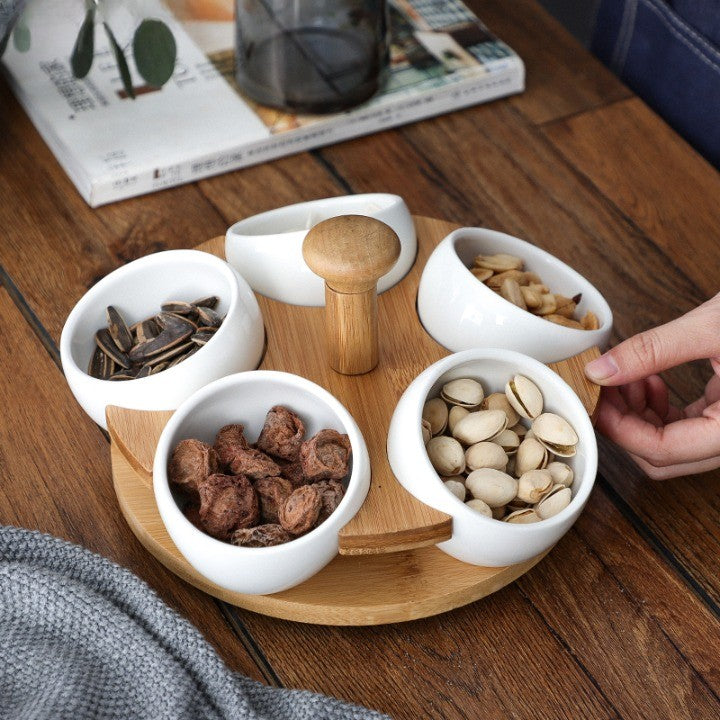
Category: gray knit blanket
[81,637]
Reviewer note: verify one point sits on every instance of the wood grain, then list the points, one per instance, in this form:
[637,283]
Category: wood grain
[56,477]
[361,590]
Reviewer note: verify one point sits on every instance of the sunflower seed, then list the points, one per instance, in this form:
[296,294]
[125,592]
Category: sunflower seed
[180,307]
[107,345]
[147,330]
[203,336]
[210,302]
[170,353]
[118,329]
[145,370]
[208,317]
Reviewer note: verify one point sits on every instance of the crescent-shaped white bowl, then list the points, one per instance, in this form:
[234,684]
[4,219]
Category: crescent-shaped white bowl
[460,312]
[267,248]
[137,290]
[245,398]
[477,539]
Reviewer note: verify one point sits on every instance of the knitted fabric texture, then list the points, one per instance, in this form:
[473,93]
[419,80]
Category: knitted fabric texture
[81,637]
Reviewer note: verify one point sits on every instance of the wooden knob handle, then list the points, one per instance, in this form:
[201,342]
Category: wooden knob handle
[351,253]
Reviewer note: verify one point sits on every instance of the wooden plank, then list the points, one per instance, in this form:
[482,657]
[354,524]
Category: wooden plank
[563,78]
[55,247]
[570,639]
[56,478]
[670,193]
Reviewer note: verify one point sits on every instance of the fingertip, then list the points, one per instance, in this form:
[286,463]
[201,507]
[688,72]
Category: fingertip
[602,369]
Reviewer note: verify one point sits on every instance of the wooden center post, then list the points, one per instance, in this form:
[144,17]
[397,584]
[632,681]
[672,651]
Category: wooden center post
[351,253]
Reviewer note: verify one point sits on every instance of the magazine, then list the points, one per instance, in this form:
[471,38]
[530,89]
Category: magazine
[198,124]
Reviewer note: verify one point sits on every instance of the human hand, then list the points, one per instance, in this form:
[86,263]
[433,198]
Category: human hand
[635,412]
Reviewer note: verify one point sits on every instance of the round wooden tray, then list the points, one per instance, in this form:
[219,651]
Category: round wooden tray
[388,569]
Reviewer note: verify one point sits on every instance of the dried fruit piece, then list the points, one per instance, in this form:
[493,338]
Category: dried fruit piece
[227,502]
[282,434]
[261,536]
[272,493]
[228,441]
[325,456]
[191,462]
[301,510]
[331,495]
[293,472]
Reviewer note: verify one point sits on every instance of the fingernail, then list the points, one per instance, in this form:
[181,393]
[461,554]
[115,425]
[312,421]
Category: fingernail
[602,368]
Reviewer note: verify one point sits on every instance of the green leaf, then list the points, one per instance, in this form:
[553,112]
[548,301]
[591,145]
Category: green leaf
[121,61]
[155,52]
[21,37]
[82,55]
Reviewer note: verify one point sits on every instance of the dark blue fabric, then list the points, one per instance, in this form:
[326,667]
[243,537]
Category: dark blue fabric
[668,54]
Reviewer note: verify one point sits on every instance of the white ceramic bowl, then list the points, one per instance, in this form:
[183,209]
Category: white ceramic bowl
[137,290]
[267,248]
[460,312]
[245,398]
[477,539]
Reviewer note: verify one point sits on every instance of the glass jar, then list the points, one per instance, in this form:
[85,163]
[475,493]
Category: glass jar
[311,56]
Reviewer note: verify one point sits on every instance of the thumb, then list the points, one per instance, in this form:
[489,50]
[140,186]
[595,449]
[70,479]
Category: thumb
[693,336]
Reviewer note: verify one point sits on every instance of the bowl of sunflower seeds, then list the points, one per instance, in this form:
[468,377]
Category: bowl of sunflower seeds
[154,331]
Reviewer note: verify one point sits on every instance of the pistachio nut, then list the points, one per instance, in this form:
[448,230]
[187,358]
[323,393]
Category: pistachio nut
[456,414]
[533,484]
[498,401]
[494,487]
[519,429]
[426,430]
[556,434]
[523,516]
[485,455]
[554,501]
[446,455]
[531,455]
[508,440]
[510,467]
[435,411]
[524,396]
[465,392]
[456,487]
[480,507]
[480,425]
[562,473]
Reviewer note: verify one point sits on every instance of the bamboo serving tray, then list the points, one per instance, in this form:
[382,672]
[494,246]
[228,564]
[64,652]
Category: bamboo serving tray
[388,569]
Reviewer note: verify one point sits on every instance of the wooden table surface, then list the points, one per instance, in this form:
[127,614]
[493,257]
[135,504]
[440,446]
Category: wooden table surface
[621,620]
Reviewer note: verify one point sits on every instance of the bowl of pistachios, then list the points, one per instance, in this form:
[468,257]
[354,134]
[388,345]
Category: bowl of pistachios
[482,288]
[501,443]
[154,331]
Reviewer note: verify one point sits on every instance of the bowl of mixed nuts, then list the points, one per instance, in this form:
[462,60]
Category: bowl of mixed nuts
[501,443]
[254,476]
[482,288]
[152,332]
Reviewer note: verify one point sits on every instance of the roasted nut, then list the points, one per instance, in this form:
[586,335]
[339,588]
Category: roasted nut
[446,455]
[456,487]
[227,502]
[464,392]
[485,455]
[533,484]
[482,274]
[325,456]
[510,290]
[261,536]
[493,487]
[435,411]
[282,434]
[480,425]
[191,462]
[565,322]
[272,493]
[301,510]
[480,507]
[589,321]
[499,262]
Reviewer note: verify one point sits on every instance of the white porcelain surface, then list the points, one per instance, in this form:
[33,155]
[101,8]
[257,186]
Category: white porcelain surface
[138,290]
[460,312]
[477,539]
[246,398]
[267,248]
